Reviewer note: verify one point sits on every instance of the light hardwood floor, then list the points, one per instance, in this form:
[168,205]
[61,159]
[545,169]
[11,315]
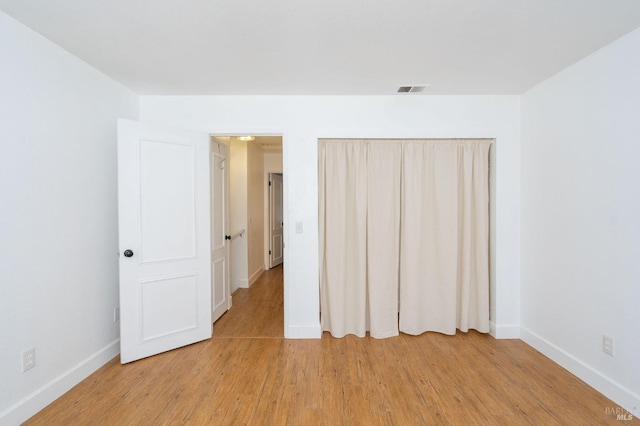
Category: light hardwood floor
[249,374]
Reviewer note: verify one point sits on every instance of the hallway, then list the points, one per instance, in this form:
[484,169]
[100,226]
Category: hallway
[257,311]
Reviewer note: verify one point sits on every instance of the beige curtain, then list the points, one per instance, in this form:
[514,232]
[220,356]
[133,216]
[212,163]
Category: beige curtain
[359,185]
[403,217]
[343,239]
[444,267]
[383,236]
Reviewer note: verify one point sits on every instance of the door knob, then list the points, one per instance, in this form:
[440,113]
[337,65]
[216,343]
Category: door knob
[128,253]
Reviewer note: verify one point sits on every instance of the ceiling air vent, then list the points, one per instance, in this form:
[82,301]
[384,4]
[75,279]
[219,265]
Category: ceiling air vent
[410,89]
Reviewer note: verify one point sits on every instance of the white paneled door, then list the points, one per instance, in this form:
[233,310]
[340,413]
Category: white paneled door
[276,249]
[221,293]
[164,239]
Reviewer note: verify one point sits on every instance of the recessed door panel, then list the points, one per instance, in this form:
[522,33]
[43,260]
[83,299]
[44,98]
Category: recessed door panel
[156,322]
[219,291]
[167,201]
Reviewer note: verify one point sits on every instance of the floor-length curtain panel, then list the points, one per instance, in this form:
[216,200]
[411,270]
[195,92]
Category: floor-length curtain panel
[473,228]
[383,236]
[359,216]
[444,263]
[342,174]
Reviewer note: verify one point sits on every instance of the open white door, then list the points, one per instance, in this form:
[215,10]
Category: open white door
[221,294]
[276,251]
[164,239]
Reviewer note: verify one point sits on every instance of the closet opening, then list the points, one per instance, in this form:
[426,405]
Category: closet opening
[406,235]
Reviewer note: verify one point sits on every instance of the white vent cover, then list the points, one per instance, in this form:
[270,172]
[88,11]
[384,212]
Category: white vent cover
[410,89]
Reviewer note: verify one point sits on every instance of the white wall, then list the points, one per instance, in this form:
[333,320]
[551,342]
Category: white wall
[246,210]
[302,120]
[255,210]
[581,218]
[238,214]
[58,218]
[272,163]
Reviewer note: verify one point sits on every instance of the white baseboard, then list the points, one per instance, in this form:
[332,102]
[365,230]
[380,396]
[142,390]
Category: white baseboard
[303,332]
[254,277]
[622,396]
[504,331]
[236,284]
[49,392]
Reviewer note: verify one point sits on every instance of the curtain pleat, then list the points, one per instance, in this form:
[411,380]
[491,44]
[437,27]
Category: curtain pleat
[429,239]
[473,257]
[403,221]
[383,236]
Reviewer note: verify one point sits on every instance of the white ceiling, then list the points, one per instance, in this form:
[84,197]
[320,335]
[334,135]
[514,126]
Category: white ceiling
[328,47]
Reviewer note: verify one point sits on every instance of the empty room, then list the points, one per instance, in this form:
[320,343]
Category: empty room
[280,212]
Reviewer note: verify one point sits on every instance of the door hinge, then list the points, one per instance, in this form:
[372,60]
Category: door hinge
[269,183]
[269,251]
[227,237]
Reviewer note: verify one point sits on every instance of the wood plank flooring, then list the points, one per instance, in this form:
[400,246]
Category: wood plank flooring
[248,374]
[257,311]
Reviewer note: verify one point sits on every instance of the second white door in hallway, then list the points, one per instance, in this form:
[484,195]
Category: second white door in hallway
[276,246]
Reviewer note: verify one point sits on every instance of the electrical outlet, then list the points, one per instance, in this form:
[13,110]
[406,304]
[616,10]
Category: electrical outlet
[116,314]
[607,345]
[28,359]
